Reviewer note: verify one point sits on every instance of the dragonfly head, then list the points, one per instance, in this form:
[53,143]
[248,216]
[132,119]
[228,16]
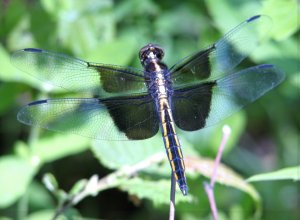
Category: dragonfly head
[151,52]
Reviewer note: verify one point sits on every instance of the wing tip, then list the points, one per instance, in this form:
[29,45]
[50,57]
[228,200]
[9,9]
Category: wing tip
[38,102]
[279,73]
[35,50]
[266,66]
[253,18]
[23,115]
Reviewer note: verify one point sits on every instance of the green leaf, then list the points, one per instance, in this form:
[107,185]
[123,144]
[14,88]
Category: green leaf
[290,173]
[157,191]
[15,175]
[284,14]
[209,139]
[44,214]
[94,19]
[5,218]
[10,14]
[8,100]
[10,73]
[57,146]
[50,182]
[225,175]
[116,154]
[118,52]
[39,197]
[228,14]
[77,187]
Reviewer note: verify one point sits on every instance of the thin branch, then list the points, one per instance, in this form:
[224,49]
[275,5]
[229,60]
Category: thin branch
[211,198]
[94,185]
[226,133]
[172,197]
[209,188]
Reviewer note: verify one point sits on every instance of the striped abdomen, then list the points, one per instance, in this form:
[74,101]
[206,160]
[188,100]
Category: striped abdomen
[172,144]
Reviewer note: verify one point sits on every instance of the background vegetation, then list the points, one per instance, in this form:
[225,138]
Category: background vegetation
[265,136]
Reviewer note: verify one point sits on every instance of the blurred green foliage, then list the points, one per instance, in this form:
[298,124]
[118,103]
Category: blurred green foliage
[264,137]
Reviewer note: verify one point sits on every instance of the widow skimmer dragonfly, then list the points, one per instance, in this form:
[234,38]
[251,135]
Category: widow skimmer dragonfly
[132,104]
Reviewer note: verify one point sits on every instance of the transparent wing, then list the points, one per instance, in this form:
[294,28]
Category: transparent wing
[219,59]
[76,75]
[208,103]
[122,118]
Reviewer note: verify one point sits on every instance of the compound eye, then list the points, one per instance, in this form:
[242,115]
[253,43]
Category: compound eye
[160,54]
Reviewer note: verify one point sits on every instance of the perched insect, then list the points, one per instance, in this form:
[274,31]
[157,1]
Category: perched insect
[132,104]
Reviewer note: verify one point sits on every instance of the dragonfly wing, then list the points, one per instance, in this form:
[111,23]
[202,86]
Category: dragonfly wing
[221,57]
[208,103]
[125,118]
[77,75]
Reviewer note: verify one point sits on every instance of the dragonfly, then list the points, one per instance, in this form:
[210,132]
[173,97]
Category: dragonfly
[127,103]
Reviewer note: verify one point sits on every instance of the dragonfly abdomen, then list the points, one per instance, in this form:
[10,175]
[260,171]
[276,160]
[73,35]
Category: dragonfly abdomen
[172,144]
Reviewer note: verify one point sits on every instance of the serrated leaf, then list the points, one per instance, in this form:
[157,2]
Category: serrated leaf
[157,191]
[290,173]
[116,154]
[15,175]
[225,175]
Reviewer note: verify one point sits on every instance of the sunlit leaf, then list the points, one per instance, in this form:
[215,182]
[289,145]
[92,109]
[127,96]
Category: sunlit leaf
[290,173]
[93,21]
[57,146]
[285,16]
[233,12]
[119,52]
[44,214]
[15,176]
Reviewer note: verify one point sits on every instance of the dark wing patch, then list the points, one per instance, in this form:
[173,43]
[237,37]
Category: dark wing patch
[192,106]
[118,79]
[132,119]
[193,68]
[76,75]
[210,102]
[135,116]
